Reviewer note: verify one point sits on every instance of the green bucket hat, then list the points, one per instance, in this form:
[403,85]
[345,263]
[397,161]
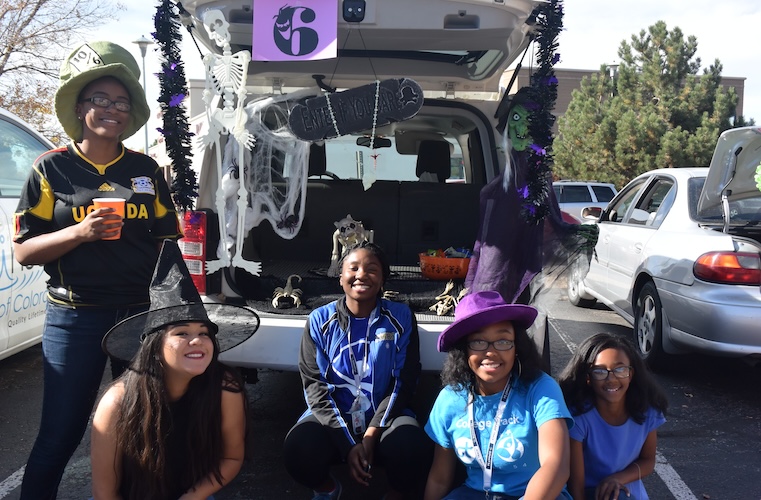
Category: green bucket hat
[88,62]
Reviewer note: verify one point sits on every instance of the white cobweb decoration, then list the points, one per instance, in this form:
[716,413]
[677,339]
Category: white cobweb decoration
[275,172]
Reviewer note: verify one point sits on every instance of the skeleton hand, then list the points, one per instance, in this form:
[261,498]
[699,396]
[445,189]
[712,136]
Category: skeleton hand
[254,268]
[212,136]
[244,137]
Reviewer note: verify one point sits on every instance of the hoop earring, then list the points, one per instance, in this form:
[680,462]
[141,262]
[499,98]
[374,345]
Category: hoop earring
[520,367]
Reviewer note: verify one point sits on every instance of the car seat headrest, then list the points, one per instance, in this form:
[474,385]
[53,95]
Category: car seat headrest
[434,157]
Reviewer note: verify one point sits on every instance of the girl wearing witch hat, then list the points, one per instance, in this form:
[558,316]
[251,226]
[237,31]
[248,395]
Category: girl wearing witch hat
[93,282]
[174,424]
[499,415]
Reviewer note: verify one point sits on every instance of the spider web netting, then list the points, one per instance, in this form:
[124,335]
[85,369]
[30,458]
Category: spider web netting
[274,172]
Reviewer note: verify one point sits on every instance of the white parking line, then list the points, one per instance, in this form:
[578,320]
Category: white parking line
[676,486]
[570,344]
[668,475]
[11,483]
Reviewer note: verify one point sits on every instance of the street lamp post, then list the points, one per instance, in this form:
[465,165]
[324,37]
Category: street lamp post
[143,43]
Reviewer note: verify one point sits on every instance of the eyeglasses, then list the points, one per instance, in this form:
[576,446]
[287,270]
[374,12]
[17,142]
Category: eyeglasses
[618,372]
[482,345]
[103,102]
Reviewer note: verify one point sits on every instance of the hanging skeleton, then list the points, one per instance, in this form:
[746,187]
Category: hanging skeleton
[226,77]
[274,174]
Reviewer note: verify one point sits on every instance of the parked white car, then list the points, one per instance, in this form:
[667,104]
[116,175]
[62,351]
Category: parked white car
[574,196]
[23,292]
[679,255]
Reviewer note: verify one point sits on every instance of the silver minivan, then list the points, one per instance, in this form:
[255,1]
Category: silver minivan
[427,170]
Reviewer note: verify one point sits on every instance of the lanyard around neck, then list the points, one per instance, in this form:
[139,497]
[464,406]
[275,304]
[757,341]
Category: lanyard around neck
[487,463]
[358,376]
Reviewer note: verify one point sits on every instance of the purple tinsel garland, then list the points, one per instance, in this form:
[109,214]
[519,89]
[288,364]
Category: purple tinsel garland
[176,129]
[543,92]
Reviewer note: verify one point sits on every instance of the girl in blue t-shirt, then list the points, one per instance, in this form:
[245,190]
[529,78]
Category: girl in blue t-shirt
[617,407]
[499,415]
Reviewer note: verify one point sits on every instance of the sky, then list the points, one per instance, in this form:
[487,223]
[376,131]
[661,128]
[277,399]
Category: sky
[593,31]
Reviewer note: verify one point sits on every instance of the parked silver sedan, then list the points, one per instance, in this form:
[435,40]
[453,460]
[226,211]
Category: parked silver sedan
[679,255]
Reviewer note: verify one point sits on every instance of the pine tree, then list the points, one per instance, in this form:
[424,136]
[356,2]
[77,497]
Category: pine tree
[651,111]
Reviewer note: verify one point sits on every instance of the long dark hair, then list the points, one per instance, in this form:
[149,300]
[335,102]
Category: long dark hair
[145,420]
[643,393]
[457,373]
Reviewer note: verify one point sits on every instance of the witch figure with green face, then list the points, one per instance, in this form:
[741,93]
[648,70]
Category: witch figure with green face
[510,249]
[517,124]
[507,252]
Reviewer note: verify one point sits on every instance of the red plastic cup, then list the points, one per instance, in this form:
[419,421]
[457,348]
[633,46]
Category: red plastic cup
[118,204]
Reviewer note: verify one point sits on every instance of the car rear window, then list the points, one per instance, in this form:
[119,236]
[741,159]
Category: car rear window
[741,212]
[18,150]
[347,160]
[603,193]
[574,194]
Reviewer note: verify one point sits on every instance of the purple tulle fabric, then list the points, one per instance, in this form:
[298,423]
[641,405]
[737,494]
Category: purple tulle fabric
[510,253]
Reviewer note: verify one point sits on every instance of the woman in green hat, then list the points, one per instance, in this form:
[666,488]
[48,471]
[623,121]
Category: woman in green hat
[94,282]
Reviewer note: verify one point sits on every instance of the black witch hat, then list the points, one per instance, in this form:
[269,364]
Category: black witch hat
[175,299]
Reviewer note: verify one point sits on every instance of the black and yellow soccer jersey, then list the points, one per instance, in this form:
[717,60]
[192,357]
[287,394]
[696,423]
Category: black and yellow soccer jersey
[59,193]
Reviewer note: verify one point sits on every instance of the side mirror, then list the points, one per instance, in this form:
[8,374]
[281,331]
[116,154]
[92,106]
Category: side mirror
[588,213]
[379,142]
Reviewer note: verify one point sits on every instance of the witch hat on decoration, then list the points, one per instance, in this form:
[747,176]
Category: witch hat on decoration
[175,299]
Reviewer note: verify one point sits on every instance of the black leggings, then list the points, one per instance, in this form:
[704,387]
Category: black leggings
[404,450]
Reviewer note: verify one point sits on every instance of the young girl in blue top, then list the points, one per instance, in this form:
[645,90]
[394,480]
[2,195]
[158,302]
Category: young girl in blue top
[617,407]
[500,415]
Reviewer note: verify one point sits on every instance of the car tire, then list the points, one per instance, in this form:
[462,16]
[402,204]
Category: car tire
[648,325]
[576,286]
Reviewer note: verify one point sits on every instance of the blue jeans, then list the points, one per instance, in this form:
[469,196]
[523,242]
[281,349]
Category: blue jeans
[73,364]
[465,493]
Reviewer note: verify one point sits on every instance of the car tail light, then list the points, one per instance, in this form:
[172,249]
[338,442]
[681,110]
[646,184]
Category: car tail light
[733,268]
[193,247]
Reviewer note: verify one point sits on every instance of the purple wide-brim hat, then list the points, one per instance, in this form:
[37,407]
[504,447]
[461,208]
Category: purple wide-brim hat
[480,309]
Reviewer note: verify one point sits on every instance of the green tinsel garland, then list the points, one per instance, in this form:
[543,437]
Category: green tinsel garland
[176,129]
[543,92]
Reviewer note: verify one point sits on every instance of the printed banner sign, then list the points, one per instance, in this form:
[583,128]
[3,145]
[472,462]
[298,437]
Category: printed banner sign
[354,109]
[285,30]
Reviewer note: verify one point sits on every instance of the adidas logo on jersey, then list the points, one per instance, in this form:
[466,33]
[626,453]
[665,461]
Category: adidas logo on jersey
[105,187]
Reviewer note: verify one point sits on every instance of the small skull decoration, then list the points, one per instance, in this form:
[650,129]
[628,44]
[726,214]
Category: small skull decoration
[348,232]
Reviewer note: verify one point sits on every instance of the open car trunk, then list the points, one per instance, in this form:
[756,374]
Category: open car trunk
[412,180]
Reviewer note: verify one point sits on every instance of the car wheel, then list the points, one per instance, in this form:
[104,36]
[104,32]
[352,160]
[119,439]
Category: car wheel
[648,325]
[576,287]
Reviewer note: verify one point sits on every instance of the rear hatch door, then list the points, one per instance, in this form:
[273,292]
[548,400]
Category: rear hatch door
[735,172]
[444,45]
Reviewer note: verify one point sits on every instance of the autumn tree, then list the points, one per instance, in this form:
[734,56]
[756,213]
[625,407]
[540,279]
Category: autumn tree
[35,35]
[651,111]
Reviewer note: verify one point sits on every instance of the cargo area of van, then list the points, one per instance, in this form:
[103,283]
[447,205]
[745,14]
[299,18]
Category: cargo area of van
[398,131]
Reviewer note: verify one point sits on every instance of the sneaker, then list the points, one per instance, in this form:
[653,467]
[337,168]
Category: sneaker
[329,495]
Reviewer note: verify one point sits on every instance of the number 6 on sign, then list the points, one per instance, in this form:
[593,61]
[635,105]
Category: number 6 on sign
[283,32]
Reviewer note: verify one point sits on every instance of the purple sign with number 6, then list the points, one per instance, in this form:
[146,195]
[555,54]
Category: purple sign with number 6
[285,30]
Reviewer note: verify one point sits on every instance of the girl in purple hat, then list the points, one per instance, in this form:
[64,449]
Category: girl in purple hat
[500,415]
